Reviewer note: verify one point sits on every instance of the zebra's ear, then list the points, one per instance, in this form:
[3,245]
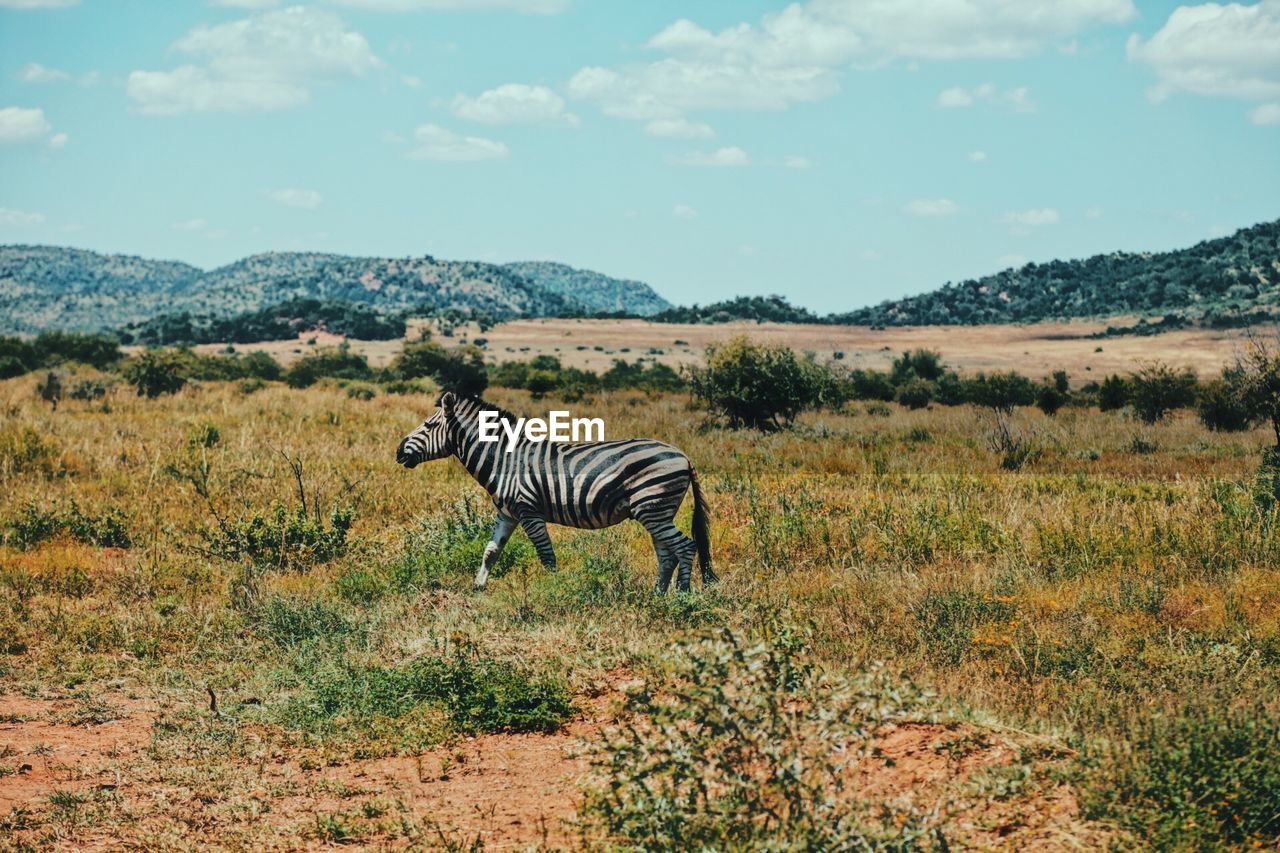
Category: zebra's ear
[447,400]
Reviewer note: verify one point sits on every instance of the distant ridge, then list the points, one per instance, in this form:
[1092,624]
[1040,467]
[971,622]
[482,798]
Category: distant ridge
[52,287]
[1211,282]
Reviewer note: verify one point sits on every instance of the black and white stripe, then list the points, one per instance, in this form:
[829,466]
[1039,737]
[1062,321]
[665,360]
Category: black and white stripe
[590,485]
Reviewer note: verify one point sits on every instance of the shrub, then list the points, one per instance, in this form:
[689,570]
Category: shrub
[1224,404]
[88,390]
[1001,392]
[1050,398]
[51,348]
[339,363]
[282,538]
[156,372]
[459,369]
[452,546]
[746,747]
[290,621]
[1015,449]
[1113,393]
[756,385]
[34,525]
[915,394]
[1203,777]
[871,385]
[917,364]
[1158,389]
[478,693]
[203,436]
[23,450]
[50,388]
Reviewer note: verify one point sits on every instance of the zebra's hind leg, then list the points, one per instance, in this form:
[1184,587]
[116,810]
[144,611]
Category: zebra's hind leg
[672,548]
[685,551]
[536,529]
[666,566]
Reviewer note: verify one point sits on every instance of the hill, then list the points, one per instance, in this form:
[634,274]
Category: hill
[598,293]
[49,287]
[1217,282]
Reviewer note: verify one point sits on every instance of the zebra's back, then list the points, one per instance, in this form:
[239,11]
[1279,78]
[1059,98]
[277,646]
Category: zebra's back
[599,484]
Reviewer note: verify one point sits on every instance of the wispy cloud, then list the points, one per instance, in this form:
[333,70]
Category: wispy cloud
[301,199]
[432,142]
[728,156]
[931,207]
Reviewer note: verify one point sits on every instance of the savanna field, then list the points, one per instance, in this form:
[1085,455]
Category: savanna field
[228,618]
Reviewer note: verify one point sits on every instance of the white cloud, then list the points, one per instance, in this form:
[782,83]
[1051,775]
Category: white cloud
[248,4]
[301,199]
[412,81]
[34,72]
[263,62]
[931,207]
[728,156]
[528,7]
[684,211]
[796,55]
[514,103]
[1017,99]
[433,142]
[16,218]
[1093,213]
[59,140]
[977,156]
[795,161]
[679,128]
[190,225]
[1265,114]
[1230,51]
[22,124]
[1034,217]
[36,4]
[1010,261]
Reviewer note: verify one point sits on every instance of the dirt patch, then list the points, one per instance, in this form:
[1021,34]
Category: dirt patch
[68,745]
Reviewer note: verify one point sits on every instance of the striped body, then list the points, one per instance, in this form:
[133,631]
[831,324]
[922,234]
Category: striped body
[591,485]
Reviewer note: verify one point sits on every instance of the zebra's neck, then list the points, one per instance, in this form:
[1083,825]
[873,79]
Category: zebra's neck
[486,461]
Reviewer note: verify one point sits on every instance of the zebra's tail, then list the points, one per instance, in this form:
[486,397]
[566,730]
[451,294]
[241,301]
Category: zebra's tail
[701,530]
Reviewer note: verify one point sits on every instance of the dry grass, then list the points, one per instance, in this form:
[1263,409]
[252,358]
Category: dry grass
[1054,600]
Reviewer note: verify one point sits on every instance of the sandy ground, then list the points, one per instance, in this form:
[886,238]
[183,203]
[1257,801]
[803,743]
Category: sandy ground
[1036,349]
[504,791]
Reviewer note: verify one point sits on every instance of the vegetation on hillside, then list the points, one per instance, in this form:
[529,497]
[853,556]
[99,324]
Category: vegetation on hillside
[47,287]
[275,323]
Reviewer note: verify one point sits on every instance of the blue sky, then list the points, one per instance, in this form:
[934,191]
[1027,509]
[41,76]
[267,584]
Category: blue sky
[838,152]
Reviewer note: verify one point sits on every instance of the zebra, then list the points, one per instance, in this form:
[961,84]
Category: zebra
[589,485]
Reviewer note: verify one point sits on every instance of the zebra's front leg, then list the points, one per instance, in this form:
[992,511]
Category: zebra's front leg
[536,529]
[502,530]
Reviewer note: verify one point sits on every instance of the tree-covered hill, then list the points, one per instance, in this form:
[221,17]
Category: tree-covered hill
[597,293]
[1213,282]
[48,287]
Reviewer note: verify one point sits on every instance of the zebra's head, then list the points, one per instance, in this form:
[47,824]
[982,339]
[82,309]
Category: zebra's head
[432,440]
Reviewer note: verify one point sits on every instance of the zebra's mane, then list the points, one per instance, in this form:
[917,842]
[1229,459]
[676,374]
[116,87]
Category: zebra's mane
[482,405]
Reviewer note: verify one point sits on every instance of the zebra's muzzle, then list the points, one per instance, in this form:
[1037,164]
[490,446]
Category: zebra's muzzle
[408,460]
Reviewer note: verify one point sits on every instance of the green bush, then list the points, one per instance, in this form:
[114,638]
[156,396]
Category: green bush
[917,364]
[293,621]
[747,747]
[1050,398]
[53,348]
[23,451]
[1158,389]
[915,394]
[1001,392]
[1113,393]
[203,435]
[460,369]
[478,693]
[1203,777]
[755,385]
[282,538]
[34,525]
[157,372]
[337,363]
[453,546]
[1223,404]
[88,390]
[50,388]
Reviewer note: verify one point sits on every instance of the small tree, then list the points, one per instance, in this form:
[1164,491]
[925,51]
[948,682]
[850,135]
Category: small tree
[916,394]
[1001,392]
[755,385]
[460,369]
[1050,398]
[157,372]
[1224,404]
[1157,389]
[1260,380]
[917,364]
[50,388]
[1113,393]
